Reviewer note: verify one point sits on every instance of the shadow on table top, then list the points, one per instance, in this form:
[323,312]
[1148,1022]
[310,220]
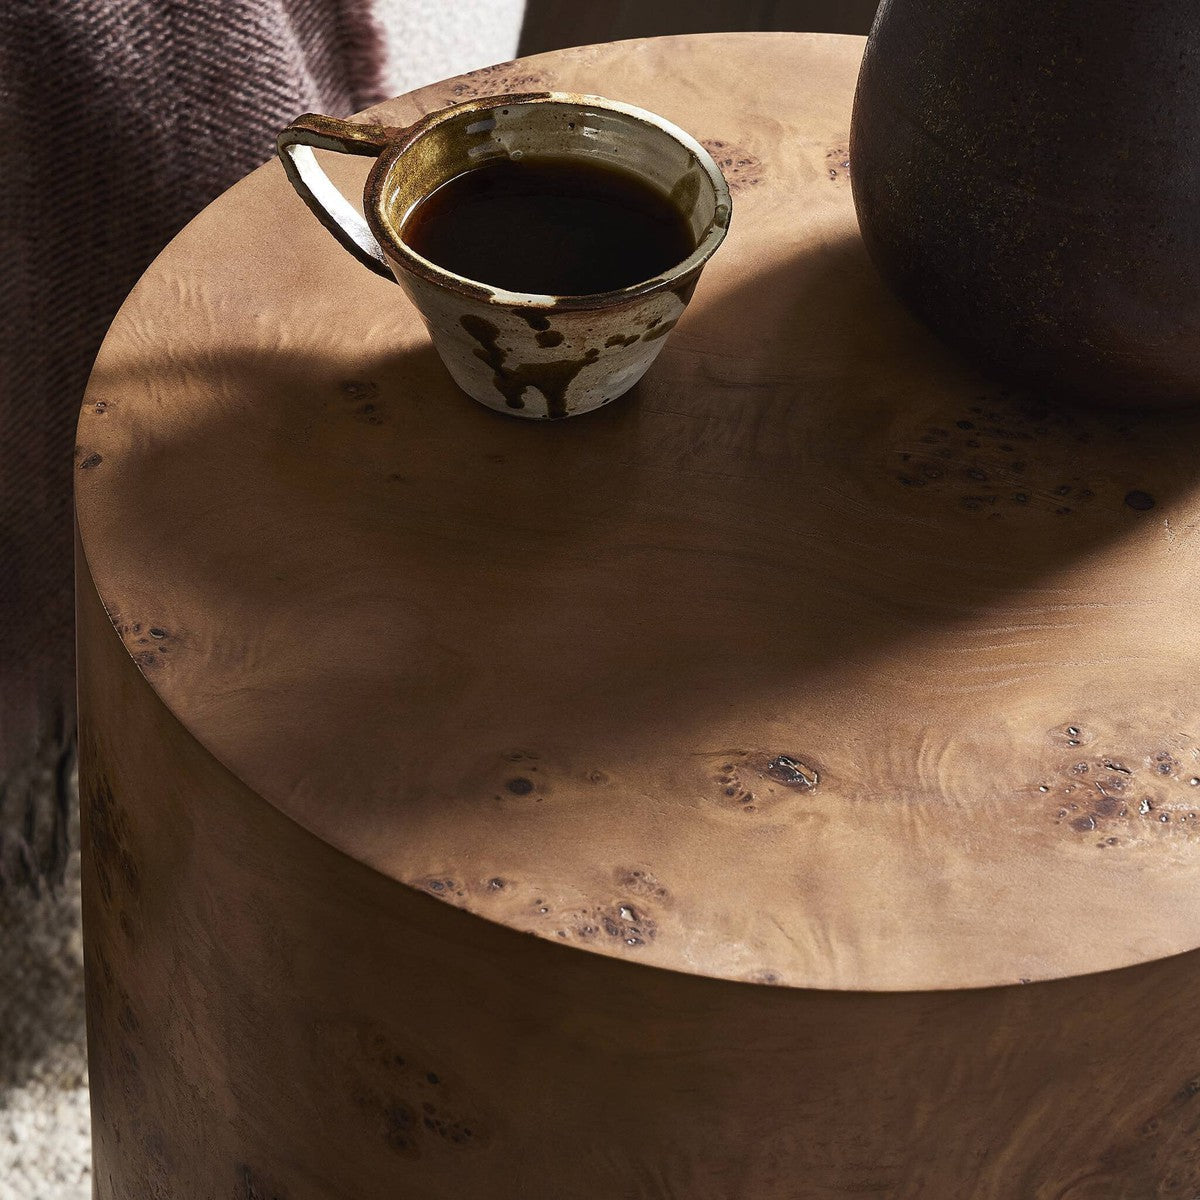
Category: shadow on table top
[805,484]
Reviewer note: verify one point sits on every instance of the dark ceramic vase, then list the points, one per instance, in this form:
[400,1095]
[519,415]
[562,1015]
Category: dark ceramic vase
[1027,178]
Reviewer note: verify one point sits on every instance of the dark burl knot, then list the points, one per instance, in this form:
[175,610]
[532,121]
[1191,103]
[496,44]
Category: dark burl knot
[785,769]
[1142,501]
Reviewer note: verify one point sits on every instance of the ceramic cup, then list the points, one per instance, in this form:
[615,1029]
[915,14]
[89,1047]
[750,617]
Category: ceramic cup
[522,353]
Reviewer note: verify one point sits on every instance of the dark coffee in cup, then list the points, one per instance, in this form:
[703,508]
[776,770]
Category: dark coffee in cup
[552,225]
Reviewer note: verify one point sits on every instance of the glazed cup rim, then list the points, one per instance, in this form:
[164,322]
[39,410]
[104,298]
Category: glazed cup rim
[405,256]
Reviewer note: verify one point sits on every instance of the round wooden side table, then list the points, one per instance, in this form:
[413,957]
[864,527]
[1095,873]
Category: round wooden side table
[782,784]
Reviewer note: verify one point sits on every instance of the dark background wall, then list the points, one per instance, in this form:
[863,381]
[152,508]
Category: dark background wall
[551,24]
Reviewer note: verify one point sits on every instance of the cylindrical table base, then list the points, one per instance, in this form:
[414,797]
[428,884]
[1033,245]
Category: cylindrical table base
[270,1019]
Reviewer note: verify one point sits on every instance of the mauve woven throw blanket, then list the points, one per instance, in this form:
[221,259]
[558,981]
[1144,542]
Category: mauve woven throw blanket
[119,121]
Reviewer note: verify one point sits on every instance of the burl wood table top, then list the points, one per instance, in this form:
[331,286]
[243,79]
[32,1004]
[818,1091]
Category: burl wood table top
[818,660]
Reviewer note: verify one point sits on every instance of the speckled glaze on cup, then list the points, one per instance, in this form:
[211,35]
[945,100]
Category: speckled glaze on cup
[530,355]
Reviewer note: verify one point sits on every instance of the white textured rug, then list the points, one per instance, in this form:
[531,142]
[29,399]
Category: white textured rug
[45,1146]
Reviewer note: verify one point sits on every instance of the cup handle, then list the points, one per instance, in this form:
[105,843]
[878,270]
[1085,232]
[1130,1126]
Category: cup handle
[295,146]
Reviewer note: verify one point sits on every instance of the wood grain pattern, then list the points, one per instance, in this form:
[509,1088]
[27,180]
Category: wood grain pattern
[818,662]
[268,1018]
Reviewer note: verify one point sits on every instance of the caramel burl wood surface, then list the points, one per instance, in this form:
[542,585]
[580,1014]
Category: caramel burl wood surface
[817,660]
[269,1020]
